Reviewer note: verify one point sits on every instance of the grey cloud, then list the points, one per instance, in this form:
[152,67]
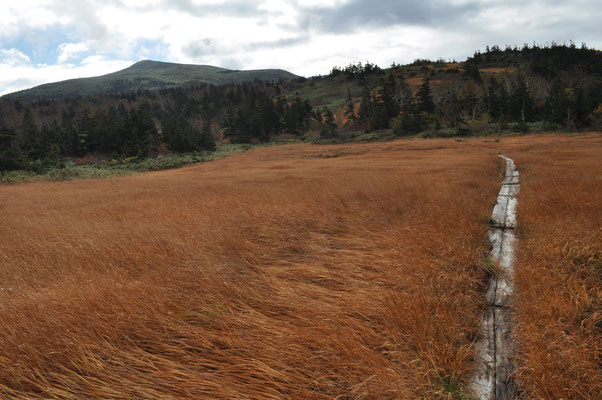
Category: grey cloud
[278,43]
[236,8]
[374,14]
[202,48]
[84,14]
[199,49]
[232,63]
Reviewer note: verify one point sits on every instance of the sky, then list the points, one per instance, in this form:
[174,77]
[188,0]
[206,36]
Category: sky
[51,40]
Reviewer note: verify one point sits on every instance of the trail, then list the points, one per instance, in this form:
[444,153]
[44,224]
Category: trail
[493,380]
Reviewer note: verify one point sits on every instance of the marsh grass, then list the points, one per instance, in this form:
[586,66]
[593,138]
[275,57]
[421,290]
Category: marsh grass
[558,300]
[283,273]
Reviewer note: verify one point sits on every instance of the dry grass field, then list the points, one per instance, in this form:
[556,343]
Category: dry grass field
[559,268]
[298,271]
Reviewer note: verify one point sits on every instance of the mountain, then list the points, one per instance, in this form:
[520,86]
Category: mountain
[533,89]
[149,75]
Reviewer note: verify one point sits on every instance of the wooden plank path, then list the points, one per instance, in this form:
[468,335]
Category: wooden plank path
[493,378]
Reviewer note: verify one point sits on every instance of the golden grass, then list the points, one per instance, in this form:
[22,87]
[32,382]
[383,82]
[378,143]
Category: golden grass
[558,271]
[496,70]
[298,271]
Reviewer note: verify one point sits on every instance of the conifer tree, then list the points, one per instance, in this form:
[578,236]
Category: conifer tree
[425,98]
[494,102]
[207,141]
[557,103]
[349,108]
[29,138]
[366,108]
[521,102]
[388,96]
[329,124]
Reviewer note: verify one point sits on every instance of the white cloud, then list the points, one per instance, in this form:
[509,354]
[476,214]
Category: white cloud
[13,57]
[17,77]
[20,16]
[69,50]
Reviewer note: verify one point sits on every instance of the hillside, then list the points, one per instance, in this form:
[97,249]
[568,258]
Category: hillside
[534,89]
[149,75]
[537,66]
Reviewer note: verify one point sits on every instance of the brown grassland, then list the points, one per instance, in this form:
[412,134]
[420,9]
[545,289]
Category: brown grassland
[302,272]
[558,270]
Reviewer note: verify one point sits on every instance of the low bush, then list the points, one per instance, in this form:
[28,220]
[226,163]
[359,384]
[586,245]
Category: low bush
[47,170]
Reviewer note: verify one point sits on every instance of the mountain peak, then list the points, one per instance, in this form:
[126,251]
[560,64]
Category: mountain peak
[150,75]
[142,63]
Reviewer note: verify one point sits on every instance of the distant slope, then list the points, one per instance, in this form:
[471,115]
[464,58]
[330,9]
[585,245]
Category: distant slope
[149,75]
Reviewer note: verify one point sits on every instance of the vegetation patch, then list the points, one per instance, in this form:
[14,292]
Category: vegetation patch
[111,168]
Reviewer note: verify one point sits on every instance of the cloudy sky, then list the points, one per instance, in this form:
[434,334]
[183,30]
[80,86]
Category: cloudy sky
[51,40]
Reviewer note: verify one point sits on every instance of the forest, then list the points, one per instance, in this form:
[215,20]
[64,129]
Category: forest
[529,89]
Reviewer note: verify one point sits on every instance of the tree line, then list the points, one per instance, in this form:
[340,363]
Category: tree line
[558,86]
[136,124]
[564,95]
[517,98]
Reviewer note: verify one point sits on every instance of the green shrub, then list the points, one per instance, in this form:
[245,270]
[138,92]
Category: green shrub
[46,170]
[440,133]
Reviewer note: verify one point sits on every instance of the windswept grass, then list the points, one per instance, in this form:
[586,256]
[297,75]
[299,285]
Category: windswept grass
[306,272]
[559,267]
[277,273]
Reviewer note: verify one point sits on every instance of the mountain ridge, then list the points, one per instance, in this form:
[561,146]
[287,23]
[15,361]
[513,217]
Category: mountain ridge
[148,75]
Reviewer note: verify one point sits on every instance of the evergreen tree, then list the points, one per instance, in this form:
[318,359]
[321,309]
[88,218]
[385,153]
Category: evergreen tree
[425,98]
[298,115]
[70,140]
[521,102]
[471,71]
[179,135]
[580,107]
[494,101]
[557,103]
[366,110]
[380,119]
[29,138]
[412,120]
[207,141]
[10,157]
[271,120]
[50,141]
[329,124]
[255,127]
[349,108]
[388,97]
